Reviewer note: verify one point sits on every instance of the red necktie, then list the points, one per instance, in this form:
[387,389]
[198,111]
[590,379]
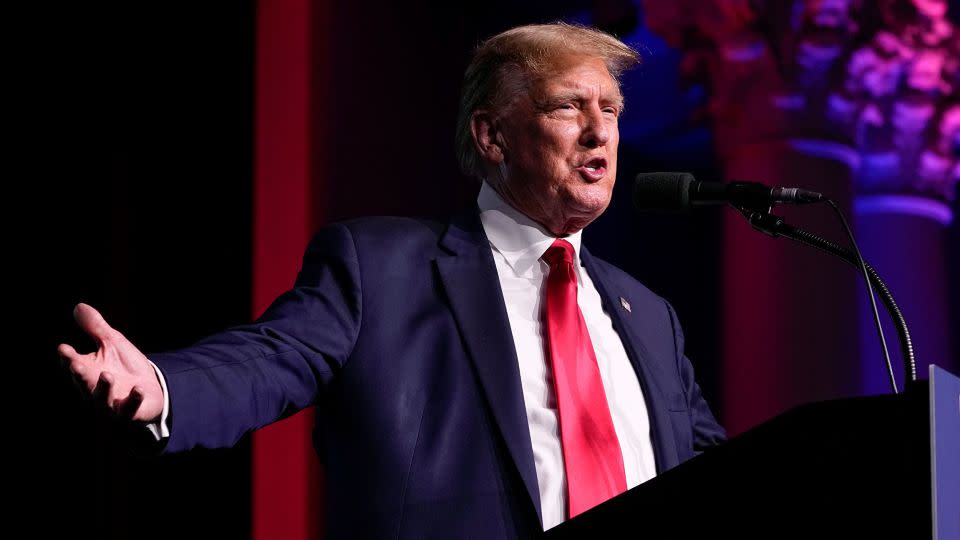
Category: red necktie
[591,451]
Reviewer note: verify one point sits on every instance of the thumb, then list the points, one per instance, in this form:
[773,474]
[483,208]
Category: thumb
[91,322]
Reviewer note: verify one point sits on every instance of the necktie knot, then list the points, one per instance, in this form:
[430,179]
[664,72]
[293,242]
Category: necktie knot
[560,252]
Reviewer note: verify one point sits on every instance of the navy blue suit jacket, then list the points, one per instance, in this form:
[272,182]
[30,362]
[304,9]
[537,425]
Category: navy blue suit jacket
[396,330]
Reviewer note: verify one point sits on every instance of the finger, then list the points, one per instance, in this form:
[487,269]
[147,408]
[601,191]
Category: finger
[132,404]
[68,353]
[81,387]
[101,392]
[74,363]
[92,322]
[71,359]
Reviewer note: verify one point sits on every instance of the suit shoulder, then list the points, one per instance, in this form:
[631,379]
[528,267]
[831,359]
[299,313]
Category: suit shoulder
[383,234]
[394,227]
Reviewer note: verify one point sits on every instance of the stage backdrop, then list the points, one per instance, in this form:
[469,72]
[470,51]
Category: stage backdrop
[192,150]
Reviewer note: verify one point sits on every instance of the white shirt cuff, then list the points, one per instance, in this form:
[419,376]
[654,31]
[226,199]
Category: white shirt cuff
[161,429]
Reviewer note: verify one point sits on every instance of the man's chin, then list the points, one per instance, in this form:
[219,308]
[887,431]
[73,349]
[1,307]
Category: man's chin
[579,219]
[588,208]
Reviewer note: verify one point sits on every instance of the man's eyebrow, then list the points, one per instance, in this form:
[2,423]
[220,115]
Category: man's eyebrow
[563,97]
[558,98]
[615,100]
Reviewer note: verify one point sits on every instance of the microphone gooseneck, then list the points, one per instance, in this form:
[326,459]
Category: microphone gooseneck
[672,192]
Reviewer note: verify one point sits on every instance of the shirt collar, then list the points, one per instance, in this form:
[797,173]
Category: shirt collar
[518,238]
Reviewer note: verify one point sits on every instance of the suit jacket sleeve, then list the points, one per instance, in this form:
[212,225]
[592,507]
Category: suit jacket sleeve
[706,431]
[249,376]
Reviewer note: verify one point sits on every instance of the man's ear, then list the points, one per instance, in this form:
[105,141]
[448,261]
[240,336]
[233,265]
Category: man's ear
[487,137]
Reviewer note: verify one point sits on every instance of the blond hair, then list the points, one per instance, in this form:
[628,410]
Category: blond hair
[504,63]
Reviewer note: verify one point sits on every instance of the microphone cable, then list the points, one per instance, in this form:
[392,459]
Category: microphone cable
[873,302]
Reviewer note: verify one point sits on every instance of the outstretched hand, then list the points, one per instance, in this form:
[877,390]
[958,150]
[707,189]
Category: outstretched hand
[117,375]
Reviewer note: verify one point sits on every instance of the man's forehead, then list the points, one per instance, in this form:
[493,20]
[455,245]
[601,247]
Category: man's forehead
[580,87]
[587,77]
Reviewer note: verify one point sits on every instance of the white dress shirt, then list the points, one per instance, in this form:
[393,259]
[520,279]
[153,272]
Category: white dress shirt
[518,243]
[161,428]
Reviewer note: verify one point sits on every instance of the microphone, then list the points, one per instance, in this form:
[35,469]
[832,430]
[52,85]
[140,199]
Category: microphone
[681,192]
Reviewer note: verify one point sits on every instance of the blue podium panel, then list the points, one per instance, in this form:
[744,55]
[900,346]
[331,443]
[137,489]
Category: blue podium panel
[945,453]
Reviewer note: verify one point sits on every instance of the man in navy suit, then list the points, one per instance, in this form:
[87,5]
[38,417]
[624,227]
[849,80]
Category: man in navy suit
[483,378]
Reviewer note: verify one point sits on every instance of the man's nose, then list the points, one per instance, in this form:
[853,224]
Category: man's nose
[596,131]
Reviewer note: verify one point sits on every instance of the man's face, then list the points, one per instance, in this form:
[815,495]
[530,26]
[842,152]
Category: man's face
[560,146]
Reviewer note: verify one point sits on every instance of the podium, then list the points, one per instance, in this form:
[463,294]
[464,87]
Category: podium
[867,467]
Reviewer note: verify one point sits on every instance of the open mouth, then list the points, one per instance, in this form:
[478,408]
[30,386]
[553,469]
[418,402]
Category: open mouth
[593,169]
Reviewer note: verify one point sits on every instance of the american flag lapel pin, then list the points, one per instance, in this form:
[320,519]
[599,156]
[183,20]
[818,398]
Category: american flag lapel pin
[624,304]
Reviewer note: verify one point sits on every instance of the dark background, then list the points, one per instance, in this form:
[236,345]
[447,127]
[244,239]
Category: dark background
[139,203]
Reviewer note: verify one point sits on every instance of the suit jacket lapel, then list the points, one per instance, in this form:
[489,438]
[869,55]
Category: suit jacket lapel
[473,287]
[664,444]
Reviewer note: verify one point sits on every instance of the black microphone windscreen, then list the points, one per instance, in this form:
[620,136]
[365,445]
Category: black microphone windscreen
[662,191]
